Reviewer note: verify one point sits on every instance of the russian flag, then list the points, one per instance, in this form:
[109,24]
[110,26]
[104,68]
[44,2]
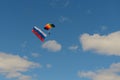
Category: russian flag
[39,33]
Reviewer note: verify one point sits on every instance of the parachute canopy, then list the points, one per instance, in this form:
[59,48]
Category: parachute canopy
[39,33]
[49,26]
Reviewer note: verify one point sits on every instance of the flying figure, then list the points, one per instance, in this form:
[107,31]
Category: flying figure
[40,34]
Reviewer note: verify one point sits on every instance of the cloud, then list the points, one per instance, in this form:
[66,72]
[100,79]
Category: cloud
[13,66]
[52,45]
[48,65]
[59,3]
[23,77]
[102,44]
[103,28]
[24,44]
[35,55]
[63,19]
[66,3]
[74,47]
[112,73]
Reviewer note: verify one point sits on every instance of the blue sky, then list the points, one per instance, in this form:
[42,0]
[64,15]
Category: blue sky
[84,45]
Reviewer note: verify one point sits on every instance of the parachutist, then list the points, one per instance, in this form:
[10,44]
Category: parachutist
[40,34]
[49,33]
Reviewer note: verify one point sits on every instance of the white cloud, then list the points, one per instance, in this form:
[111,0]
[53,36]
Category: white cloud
[63,19]
[105,44]
[13,66]
[24,44]
[23,77]
[104,28]
[111,73]
[35,55]
[74,47]
[59,3]
[66,3]
[52,45]
[48,65]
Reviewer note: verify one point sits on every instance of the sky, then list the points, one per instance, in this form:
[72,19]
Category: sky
[84,45]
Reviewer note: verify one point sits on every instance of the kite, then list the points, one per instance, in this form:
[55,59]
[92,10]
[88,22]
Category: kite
[39,33]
